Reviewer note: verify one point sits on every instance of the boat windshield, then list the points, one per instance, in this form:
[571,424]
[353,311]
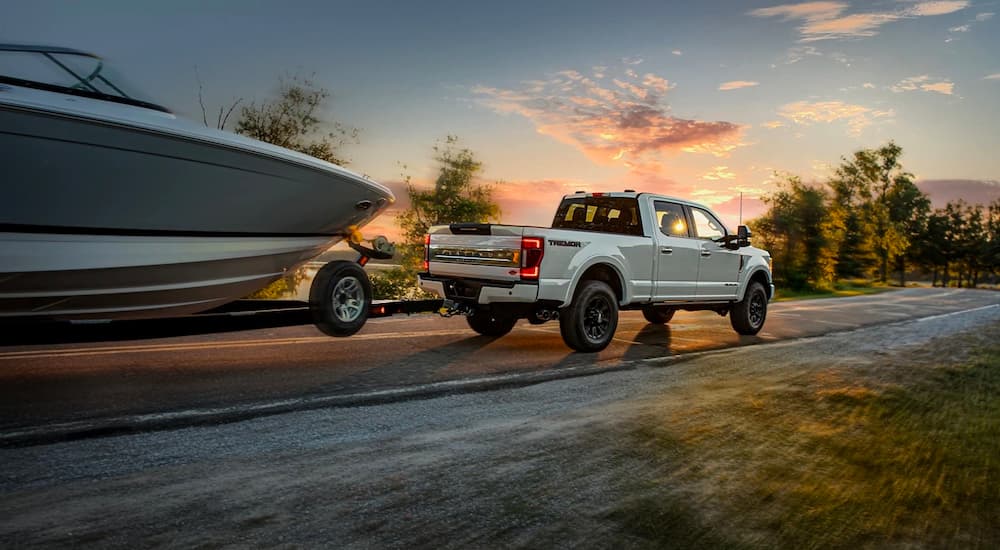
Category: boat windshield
[67,71]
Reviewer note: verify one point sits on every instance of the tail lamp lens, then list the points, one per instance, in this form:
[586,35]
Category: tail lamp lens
[427,252]
[532,251]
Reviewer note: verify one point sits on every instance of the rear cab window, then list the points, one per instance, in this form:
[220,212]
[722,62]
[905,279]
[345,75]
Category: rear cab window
[670,219]
[604,214]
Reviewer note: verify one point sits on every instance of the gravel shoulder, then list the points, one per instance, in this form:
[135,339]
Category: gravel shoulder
[566,463]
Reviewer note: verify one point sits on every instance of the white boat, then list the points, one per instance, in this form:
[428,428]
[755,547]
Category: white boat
[112,207]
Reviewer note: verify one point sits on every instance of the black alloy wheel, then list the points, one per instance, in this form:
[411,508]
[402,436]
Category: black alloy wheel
[588,324]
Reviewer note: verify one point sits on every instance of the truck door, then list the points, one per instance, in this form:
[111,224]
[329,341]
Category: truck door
[719,267]
[676,254]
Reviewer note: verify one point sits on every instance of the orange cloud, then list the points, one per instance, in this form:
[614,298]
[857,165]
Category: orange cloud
[855,25]
[939,87]
[737,84]
[810,11]
[857,117]
[923,82]
[533,202]
[612,120]
[938,8]
[827,20]
[719,173]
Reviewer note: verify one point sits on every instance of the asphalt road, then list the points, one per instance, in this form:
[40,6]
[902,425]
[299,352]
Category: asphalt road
[76,384]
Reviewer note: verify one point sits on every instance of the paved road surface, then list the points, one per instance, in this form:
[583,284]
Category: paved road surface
[666,451]
[74,389]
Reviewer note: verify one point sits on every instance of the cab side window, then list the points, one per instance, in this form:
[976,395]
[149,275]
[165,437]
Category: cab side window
[706,226]
[670,218]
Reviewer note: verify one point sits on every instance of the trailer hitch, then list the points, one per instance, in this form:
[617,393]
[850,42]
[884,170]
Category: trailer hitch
[381,248]
[451,308]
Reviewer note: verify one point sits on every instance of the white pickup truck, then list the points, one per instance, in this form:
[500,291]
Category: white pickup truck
[604,252]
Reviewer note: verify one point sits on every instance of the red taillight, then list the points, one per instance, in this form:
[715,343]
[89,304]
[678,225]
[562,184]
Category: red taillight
[532,250]
[427,252]
[597,194]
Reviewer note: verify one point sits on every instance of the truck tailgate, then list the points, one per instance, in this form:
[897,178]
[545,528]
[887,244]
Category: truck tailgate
[490,252]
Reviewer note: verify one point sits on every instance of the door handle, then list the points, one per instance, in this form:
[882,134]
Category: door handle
[666,250]
[705,253]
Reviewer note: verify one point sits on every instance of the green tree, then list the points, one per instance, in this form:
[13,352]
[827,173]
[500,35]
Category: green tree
[850,203]
[968,241]
[931,245]
[291,120]
[796,229]
[881,209]
[908,211]
[992,259]
[959,238]
[455,197]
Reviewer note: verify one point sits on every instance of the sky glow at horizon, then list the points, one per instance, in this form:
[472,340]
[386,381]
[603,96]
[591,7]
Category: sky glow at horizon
[700,101]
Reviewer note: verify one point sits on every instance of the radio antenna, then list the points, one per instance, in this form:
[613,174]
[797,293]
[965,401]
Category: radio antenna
[741,207]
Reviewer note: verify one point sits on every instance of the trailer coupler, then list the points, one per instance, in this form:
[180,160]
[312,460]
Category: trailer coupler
[451,308]
[381,249]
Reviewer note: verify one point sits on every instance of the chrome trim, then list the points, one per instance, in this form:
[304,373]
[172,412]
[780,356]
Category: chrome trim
[469,259]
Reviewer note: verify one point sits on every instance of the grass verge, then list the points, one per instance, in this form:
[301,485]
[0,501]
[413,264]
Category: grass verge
[840,290]
[899,451]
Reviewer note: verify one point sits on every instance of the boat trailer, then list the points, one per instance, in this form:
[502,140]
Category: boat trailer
[340,298]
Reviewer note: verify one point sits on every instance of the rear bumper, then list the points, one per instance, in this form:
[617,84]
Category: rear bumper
[475,291]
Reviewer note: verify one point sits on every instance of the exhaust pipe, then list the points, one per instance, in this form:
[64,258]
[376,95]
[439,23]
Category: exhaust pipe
[543,315]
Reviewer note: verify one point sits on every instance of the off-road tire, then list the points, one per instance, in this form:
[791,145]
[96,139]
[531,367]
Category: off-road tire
[339,298]
[490,324]
[588,324]
[658,315]
[748,316]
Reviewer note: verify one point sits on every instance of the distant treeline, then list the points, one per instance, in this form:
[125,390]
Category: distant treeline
[870,221]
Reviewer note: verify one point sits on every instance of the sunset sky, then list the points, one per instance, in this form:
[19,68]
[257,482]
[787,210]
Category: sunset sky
[699,100]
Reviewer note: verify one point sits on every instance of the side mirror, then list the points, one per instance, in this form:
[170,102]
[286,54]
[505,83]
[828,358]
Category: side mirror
[743,235]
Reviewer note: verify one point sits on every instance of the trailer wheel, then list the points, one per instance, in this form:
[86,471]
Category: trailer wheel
[490,324]
[588,324]
[339,298]
[658,315]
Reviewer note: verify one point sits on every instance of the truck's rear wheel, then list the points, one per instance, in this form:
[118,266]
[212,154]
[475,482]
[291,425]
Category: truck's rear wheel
[339,298]
[490,324]
[658,315]
[588,324]
[747,316]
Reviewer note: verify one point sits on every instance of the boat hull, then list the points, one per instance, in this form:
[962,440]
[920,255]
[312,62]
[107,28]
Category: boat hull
[117,277]
[63,171]
[102,218]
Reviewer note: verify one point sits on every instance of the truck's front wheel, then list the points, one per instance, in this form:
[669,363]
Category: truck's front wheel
[747,317]
[490,324]
[588,324]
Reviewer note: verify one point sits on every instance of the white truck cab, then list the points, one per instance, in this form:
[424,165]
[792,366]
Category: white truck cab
[604,252]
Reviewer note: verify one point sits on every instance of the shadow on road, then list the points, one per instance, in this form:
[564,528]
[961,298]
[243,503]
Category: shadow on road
[423,366]
[652,340]
[240,315]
